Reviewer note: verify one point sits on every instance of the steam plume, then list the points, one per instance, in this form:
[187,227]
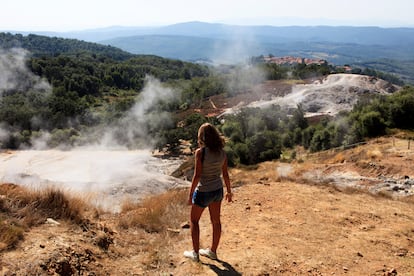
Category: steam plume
[134,127]
[15,76]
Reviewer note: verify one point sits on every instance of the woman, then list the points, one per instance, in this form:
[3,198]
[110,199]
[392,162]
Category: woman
[207,188]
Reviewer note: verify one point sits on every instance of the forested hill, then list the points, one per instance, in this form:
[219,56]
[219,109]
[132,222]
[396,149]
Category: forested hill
[42,45]
[93,67]
[65,86]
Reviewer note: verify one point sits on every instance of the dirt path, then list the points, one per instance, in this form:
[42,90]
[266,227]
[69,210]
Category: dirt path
[287,228]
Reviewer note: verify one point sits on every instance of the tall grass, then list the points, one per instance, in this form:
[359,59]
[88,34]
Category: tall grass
[23,208]
[156,213]
[159,217]
[10,234]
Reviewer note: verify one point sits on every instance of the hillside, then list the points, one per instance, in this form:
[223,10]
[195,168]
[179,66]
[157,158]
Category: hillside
[282,222]
[40,45]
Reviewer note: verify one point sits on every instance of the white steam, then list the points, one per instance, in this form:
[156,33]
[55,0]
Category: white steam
[15,77]
[4,134]
[235,50]
[134,125]
[237,47]
[14,74]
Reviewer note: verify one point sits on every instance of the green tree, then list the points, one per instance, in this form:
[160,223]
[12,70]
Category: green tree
[321,140]
[233,131]
[371,124]
[401,109]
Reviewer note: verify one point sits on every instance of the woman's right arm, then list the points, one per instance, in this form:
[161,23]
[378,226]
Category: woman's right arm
[226,179]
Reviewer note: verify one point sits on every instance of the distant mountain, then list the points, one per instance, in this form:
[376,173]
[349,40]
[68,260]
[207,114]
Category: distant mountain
[180,47]
[273,34]
[358,35]
[222,43]
[358,46]
[342,34]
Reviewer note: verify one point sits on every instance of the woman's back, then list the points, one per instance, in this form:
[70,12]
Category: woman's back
[212,163]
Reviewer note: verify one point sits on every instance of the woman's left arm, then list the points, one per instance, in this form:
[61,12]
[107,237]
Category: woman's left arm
[197,174]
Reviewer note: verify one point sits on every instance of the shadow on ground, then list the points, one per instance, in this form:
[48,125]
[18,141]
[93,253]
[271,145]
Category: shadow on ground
[226,269]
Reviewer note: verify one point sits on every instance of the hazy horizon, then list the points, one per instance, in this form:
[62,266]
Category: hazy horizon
[276,22]
[47,15]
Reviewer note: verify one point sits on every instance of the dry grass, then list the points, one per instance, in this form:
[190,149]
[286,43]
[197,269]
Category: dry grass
[293,82]
[22,208]
[10,234]
[155,213]
[159,217]
[338,158]
[375,154]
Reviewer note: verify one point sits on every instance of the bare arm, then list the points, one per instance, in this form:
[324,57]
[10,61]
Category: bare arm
[226,179]
[197,174]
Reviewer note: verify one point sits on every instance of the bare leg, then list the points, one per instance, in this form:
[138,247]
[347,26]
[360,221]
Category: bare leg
[195,215]
[214,209]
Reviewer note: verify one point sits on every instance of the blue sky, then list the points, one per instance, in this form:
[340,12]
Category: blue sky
[57,15]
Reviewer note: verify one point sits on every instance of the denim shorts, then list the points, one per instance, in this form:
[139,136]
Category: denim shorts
[203,199]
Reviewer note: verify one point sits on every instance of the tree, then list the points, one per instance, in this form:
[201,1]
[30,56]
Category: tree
[372,124]
[233,131]
[321,140]
[401,109]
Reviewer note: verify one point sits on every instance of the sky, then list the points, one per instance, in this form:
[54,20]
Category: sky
[75,15]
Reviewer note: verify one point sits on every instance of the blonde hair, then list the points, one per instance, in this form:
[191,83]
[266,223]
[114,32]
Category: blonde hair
[210,137]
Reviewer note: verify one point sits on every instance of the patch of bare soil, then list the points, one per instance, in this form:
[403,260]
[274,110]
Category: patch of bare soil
[281,223]
[217,104]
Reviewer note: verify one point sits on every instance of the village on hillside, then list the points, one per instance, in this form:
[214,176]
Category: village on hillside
[291,60]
